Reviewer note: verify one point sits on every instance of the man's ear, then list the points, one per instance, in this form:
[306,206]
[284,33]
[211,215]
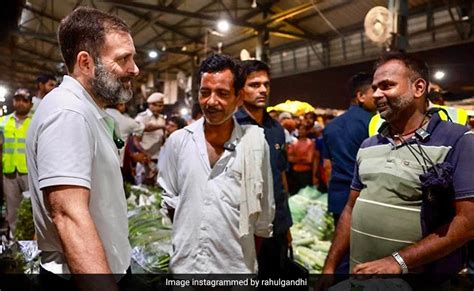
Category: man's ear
[240,94]
[84,63]
[419,87]
[360,97]
[240,99]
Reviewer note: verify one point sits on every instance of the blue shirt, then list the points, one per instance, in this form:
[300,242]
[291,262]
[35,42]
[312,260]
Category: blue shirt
[342,138]
[275,137]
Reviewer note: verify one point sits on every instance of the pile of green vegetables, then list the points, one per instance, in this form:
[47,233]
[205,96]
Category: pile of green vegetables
[25,228]
[20,257]
[149,231]
[313,228]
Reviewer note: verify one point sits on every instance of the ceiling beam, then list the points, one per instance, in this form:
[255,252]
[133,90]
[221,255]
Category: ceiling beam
[30,71]
[168,10]
[177,25]
[326,10]
[294,35]
[227,11]
[281,16]
[30,7]
[46,37]
[27,60]
[35,53]
[160,24]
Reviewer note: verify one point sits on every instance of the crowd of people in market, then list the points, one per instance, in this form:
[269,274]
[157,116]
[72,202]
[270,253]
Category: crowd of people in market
[397,167]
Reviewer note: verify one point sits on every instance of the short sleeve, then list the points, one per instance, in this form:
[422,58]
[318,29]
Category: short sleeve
[141,118]
[461,159]
[356,183]
[168,175]
[326,154]
[65,150]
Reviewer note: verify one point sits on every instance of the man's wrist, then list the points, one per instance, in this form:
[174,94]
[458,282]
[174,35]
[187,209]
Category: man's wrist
[401,262]
[328,270]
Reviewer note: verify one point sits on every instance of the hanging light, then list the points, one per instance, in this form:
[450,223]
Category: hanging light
[184,111]
[3,93]
[439,75]
[223,25]
[153,54]
[254,4]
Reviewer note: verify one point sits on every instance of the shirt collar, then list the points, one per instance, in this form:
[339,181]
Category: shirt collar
[434,121]
[243,116]
[21,119]
[198,126]
[80,92]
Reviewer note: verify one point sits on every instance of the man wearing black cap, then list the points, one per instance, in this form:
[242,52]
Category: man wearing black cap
[13,128]
[44,83]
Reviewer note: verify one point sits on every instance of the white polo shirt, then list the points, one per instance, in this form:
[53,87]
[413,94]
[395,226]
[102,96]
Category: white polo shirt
[70,143]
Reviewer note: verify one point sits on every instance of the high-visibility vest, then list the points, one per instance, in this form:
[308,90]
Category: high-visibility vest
[14,144]
[457,115]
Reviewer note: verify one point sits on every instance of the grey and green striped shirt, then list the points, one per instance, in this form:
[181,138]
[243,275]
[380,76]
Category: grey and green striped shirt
[386,215]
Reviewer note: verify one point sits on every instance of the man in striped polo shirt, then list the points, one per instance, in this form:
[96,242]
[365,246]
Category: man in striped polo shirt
[391,222]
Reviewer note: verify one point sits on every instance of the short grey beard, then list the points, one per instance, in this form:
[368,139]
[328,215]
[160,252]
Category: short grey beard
[107,87]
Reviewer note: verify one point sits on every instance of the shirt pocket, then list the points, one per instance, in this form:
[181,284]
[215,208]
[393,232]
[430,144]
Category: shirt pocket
[229,189]
[414,168]
[410,184]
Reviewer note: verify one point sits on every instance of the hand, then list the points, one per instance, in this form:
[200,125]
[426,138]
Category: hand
[140,157]
[387,265]
[151,126]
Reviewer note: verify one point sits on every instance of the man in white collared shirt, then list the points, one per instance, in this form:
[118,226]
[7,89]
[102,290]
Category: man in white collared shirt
[78,199]
[153,137]
[219,203]
[155,123]
[127,125]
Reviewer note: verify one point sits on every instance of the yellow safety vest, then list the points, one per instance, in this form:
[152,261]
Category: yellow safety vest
[457,115]
[14,144]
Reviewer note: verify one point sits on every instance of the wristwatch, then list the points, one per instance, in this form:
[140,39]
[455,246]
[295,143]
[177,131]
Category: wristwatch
[401,262]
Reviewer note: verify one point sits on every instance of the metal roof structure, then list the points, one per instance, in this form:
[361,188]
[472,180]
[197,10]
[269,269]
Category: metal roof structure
[304,35]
